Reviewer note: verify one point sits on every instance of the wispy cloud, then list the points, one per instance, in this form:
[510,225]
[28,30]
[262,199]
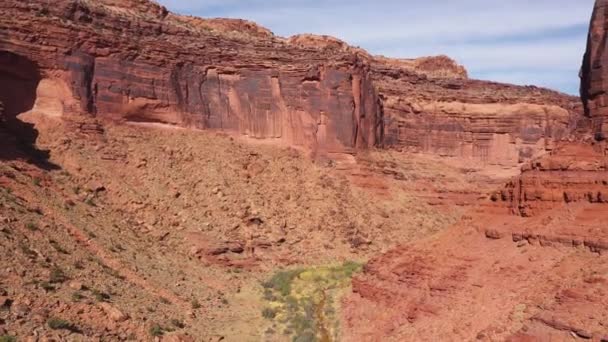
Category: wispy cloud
[520,41]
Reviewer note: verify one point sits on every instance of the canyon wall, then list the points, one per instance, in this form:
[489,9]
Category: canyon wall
[133,60]
[437,109]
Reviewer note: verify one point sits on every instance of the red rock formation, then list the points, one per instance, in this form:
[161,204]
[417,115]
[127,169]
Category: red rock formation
[594,73]
[441,111]
[575,172]
[133,60]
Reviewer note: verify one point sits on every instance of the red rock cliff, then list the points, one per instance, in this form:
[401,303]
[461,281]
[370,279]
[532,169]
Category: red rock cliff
[431,106]
[133,60]
[594,73]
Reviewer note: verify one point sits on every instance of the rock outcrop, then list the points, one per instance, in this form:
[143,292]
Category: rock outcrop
[433,107]
[575,172]
[594,73]
[134,60]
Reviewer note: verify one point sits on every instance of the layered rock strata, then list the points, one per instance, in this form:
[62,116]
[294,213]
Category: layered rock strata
[575,172]
[133,60]
[437,109]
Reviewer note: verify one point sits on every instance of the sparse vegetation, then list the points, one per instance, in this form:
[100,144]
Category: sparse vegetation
[79,265]
[195,304]
[269,313]
[58,247]
[100,296]
[8,338]
[57,276]
[301,299]
[157,330]
[61,324]
[46,286]
[77,296]
[178,323]
[31,226]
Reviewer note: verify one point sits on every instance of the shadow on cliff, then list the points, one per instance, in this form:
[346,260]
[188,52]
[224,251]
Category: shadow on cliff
[19,78]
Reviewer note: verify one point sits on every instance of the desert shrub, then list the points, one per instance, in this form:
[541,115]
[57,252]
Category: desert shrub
[61,324]
[178,323]
[57,276]
[46,286]
[307,336]
[8,338]
[195,304]
[157,330]
[100,296]
[77,296]
[282,281]
[269,313]
[31,226]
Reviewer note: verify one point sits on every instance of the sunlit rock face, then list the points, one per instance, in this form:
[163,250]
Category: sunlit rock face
[594,73]
[135,61]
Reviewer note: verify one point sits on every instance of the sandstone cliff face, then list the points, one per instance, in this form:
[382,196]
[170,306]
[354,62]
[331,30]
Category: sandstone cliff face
[594,73]
[443,112]
[138,62]
[133,60]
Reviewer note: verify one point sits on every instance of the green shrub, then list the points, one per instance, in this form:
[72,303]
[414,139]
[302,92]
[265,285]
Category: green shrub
[57,276]
[31,226]
[8,338]
[77,296]
[157,330]
[61,324]
[100,296]
[281,281]
[269,313]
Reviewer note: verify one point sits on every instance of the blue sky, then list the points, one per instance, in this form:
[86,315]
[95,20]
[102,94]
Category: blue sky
[538,42]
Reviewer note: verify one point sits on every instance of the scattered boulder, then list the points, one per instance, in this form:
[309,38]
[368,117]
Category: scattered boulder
[115,314]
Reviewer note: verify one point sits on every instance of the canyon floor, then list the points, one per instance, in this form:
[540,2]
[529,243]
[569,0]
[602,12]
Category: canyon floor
[141,231]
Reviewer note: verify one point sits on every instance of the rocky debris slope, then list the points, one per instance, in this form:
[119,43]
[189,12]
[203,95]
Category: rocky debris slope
[133,60]
[468,286]
[179,234]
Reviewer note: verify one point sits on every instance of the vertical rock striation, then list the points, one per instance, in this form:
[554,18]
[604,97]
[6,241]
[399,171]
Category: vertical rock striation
[594,72]
[133,60]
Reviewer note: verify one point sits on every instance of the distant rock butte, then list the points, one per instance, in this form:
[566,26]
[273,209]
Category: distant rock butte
[134,60]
